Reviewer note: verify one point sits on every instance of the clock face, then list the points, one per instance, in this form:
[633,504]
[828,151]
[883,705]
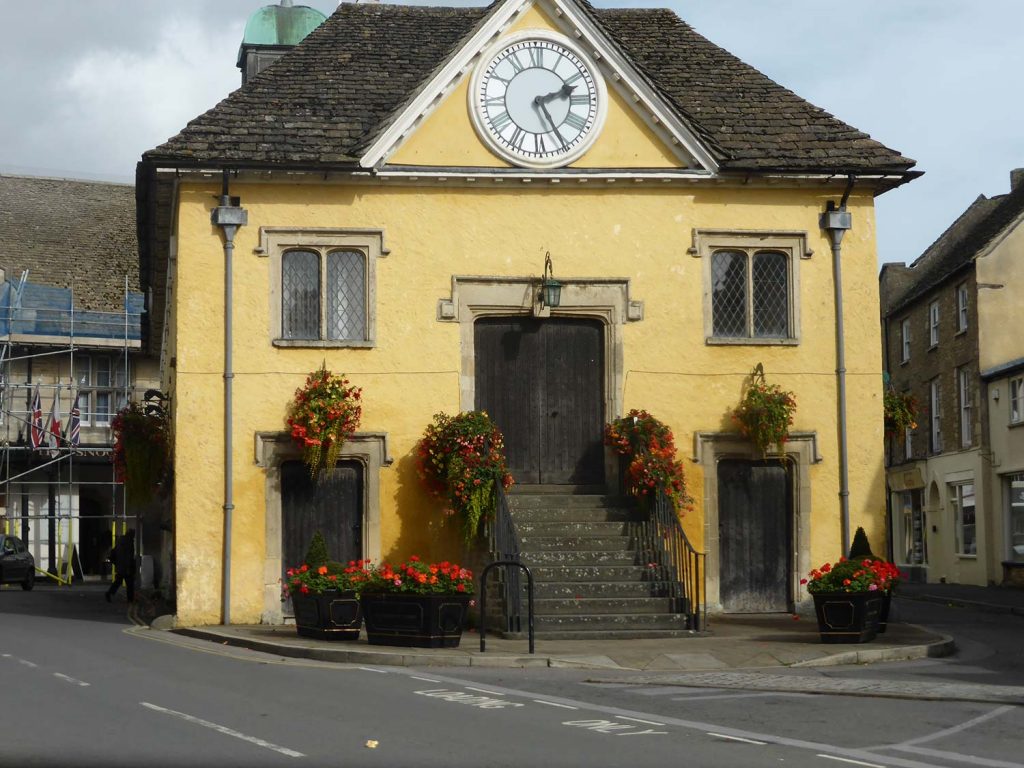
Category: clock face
[536,101]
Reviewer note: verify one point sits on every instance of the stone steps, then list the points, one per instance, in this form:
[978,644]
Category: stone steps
[591,575]
[576,543]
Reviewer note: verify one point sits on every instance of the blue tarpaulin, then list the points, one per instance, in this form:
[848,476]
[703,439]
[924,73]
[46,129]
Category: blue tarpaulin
[43,310]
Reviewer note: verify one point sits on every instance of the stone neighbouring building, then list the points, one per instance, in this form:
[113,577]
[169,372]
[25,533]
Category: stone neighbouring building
[951,341]
[71,326]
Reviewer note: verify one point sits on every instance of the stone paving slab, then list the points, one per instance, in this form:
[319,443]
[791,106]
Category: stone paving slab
[749,643]
[895,689]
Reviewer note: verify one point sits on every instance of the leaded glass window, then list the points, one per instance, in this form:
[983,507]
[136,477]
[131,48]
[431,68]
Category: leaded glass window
[346,295]
[300,305]
[323,295]
[729,293]
[750,294]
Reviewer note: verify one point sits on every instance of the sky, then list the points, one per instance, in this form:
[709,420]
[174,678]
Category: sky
[89,85]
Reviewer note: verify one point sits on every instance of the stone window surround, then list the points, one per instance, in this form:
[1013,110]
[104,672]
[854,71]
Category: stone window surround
[801,452]
[272,449]
[274,241]
[792,243]
[604,299]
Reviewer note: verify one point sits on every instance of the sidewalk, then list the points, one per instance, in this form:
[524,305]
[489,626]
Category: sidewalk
[731,643]
[992,599]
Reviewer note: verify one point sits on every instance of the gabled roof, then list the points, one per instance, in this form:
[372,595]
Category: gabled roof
[325,101]
[960,244]
[71,234]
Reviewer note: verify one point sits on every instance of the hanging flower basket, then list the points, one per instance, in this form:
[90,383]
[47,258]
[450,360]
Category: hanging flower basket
[900,412]
[324,414]
[765,413]
[649,447]
[140,451]
[460,460]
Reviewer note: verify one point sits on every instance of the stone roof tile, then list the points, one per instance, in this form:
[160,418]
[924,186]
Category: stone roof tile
[78,235]
[330,97]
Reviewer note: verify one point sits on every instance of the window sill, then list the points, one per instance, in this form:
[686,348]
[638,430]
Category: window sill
[905,361]
[746,342]
[933,347]
[962,556]
[1014,424]
[323,344]
[960,332]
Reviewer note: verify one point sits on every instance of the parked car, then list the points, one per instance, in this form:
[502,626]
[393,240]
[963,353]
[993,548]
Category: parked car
[17,566]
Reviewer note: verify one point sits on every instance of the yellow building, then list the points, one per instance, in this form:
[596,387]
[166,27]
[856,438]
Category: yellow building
[409,169]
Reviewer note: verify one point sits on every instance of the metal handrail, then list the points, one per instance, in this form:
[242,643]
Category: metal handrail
[504,546]
[513,566]
[682,566]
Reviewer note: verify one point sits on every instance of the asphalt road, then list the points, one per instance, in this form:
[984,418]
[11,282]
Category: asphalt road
[80,686]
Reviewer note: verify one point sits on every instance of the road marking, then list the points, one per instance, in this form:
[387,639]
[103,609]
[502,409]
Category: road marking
[371,669]
[425,679]
[848,760]
[638,720]
[700,697]
[958,758]
[457,697]
[554,704]
[693,725]
[71,680]
[28,663]
[956,728]
[224,729]
[611,727]
[481,690]
[736,738]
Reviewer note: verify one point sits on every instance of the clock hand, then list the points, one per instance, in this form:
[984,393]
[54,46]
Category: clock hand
[565,91]
[540,102]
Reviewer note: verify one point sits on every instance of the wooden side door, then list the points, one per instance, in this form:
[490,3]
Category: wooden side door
[755,536]
[332,505]
[542,381]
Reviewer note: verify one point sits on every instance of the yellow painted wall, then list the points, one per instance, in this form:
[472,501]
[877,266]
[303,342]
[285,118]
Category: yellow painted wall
[433,233]
[1000,341]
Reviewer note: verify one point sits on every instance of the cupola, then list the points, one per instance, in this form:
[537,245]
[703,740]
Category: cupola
[273,30]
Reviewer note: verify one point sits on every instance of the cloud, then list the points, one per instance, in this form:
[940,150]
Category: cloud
[123,102]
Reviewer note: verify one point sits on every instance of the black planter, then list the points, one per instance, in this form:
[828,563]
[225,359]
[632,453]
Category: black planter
[334,615]
[848,617]
[883,612]
[415,621]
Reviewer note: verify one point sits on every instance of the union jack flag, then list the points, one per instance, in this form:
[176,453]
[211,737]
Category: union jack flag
[36,422]
[74,434]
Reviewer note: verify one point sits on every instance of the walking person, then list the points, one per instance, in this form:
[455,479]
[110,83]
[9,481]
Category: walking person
[123,558]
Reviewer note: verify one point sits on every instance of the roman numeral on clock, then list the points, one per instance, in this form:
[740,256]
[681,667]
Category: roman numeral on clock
[577,122]
[500,120]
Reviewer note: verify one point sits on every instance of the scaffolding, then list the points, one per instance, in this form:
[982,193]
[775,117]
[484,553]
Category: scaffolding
[64,374]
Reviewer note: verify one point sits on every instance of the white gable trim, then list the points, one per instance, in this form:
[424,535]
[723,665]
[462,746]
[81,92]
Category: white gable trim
[655,112]
[617,70]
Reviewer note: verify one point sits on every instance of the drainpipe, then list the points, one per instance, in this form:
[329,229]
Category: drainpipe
[229,216]
[836,221]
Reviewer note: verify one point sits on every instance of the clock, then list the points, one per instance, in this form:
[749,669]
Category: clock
[536,100]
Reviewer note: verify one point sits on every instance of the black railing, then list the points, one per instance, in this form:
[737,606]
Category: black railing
[504,546]
[680,565]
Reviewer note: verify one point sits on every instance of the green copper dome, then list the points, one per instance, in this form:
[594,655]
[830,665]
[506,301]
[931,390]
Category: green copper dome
[282,24]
